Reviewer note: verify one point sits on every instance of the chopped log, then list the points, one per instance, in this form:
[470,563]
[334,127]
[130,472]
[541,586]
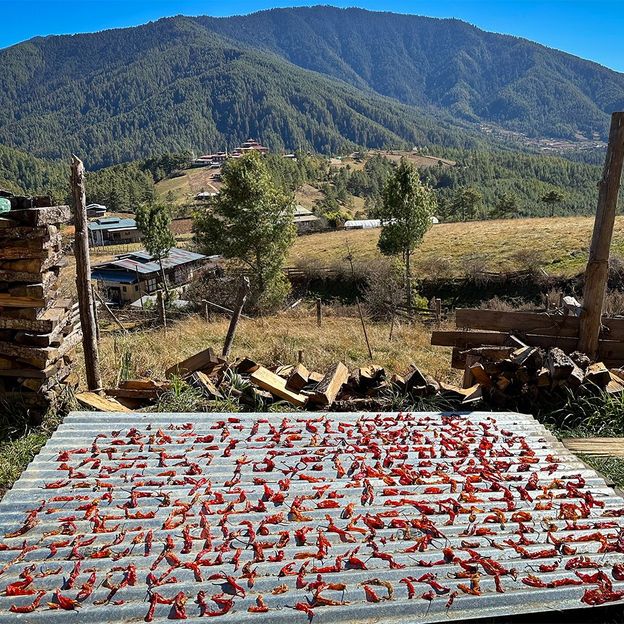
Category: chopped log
[204,383]
[576,377]
[196,362]
[615,385]
[315,377]
[543,377]
[274,384]
[327,390]
[298,378]
[560,365]
[145,384]
[598,374]
[38,217]
[479,374]
[524,355]
[414,378]
[246,366]
[473,394]
[284,370]
[100,404]
[371,374]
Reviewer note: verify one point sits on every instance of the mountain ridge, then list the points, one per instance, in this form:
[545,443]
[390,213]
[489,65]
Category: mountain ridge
[308,77]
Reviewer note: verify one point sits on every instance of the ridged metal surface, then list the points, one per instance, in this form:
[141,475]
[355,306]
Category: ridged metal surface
[496,453]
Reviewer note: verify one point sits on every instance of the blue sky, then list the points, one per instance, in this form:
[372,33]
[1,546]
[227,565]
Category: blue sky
[592,29]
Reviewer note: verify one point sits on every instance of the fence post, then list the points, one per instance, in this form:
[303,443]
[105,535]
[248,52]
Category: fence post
[83,277]
[319,312]
[243,291]
[597,270]
[162,312]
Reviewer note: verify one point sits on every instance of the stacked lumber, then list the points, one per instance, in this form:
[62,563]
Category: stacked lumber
[38,330]
[529,375]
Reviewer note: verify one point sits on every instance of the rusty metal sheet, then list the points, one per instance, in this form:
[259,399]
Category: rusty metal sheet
[410,512]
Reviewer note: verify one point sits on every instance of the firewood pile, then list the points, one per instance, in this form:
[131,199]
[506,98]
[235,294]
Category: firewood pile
[529,375]
[38,330]
[338,388]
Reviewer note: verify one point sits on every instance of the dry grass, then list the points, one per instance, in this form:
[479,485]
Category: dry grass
[562,242]
[277,340]
[185,187]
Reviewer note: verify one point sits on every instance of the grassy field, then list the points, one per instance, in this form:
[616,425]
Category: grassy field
[185,187]
[277,340]
[559,245]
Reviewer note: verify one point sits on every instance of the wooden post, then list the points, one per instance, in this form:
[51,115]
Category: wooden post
[359,307]
[110,312]
[83,277]
[319,312]
[243,291]
[207,312]
[95,314]
[438,311]
[597,270]
[162,312]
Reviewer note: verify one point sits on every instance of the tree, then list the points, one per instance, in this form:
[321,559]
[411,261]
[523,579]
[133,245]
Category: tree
[153,221]
[405,212]
[552,198]
[251,220]
[466,203]
[506,206]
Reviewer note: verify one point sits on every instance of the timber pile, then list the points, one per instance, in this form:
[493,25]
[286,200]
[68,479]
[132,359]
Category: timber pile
[530,376]
[38,330]
[338,388]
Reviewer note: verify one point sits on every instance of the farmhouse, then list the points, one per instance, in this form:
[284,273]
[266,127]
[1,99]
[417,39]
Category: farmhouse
[306,221]
[132,275]
[113,231]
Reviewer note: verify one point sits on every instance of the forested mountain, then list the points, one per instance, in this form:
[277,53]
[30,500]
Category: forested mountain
[315,78]
[172,85]
[476,75]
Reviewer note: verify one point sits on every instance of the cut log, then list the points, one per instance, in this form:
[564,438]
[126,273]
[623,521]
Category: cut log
[543,377]
[204,383]
[414,378]
[598,374]
[100,404]
[560,365]
[246,366]
[371,374]
[145,384]
[298,378]
[194,363]
[315,377]
[327,390]
[479,374]
[38,217]
[615,385]
[274,384]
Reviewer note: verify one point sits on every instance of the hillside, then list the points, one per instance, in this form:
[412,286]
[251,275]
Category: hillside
[559,245]
[445,63]
[172,85]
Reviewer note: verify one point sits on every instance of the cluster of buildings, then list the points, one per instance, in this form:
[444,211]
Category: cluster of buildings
[215,161]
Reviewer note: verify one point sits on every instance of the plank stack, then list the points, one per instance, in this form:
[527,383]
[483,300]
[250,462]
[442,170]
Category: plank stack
[38,330]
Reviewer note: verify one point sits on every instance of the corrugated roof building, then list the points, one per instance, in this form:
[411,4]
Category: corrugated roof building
[132,275]
[113,231]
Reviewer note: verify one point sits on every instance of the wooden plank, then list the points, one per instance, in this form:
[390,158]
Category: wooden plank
[274,384]
[605,447]
[13,301]
[327,390]
[191,364]
[99,403]
[204,383]
[298,378]
[537,323]
[37,217]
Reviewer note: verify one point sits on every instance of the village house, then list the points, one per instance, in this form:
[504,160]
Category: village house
[306,221]
[131,276]
[113,231]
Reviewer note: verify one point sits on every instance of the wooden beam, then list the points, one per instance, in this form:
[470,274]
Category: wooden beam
[597,270]
[83,277]
[540,323]
[276,385]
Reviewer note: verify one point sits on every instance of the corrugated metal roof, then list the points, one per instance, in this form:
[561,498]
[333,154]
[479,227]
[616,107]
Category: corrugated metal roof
[112,224]
[366,490]
[141,261]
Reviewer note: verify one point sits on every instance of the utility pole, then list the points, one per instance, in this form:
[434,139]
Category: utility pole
[597,270]
[86,306]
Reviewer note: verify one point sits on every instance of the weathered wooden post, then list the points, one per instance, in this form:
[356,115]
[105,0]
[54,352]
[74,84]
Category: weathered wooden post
[597,270]
[162,310]
[83,277]
[243,292]
[319,312]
